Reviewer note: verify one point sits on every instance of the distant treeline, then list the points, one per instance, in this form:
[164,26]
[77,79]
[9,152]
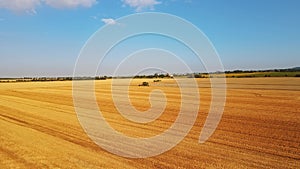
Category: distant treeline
[156,75]
[290,72]
[49,79]
[295,69]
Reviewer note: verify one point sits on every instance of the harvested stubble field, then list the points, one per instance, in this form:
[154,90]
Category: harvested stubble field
[260,127]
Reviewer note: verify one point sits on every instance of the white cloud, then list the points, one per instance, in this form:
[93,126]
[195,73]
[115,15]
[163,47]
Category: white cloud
[109,21]
[28,6]
[70,3]
[19,5]
[139,5]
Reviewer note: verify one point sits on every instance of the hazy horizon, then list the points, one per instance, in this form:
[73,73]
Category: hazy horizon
[141,74]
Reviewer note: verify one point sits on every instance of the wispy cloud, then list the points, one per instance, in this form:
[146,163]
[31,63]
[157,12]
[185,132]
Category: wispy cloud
[139,5]
[188,1]
[19,5]
[70,3]
[31,12]
[94,17]
[29,6]
[109,21]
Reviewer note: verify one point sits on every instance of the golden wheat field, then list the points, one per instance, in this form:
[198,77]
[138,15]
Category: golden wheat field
[260,127]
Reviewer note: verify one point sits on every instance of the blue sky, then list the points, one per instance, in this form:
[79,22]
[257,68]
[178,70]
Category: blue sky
[44,37]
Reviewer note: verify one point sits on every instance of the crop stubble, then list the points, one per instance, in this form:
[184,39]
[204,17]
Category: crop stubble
[260,127]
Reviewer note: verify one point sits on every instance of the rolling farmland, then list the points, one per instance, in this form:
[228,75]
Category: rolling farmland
[260,127]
